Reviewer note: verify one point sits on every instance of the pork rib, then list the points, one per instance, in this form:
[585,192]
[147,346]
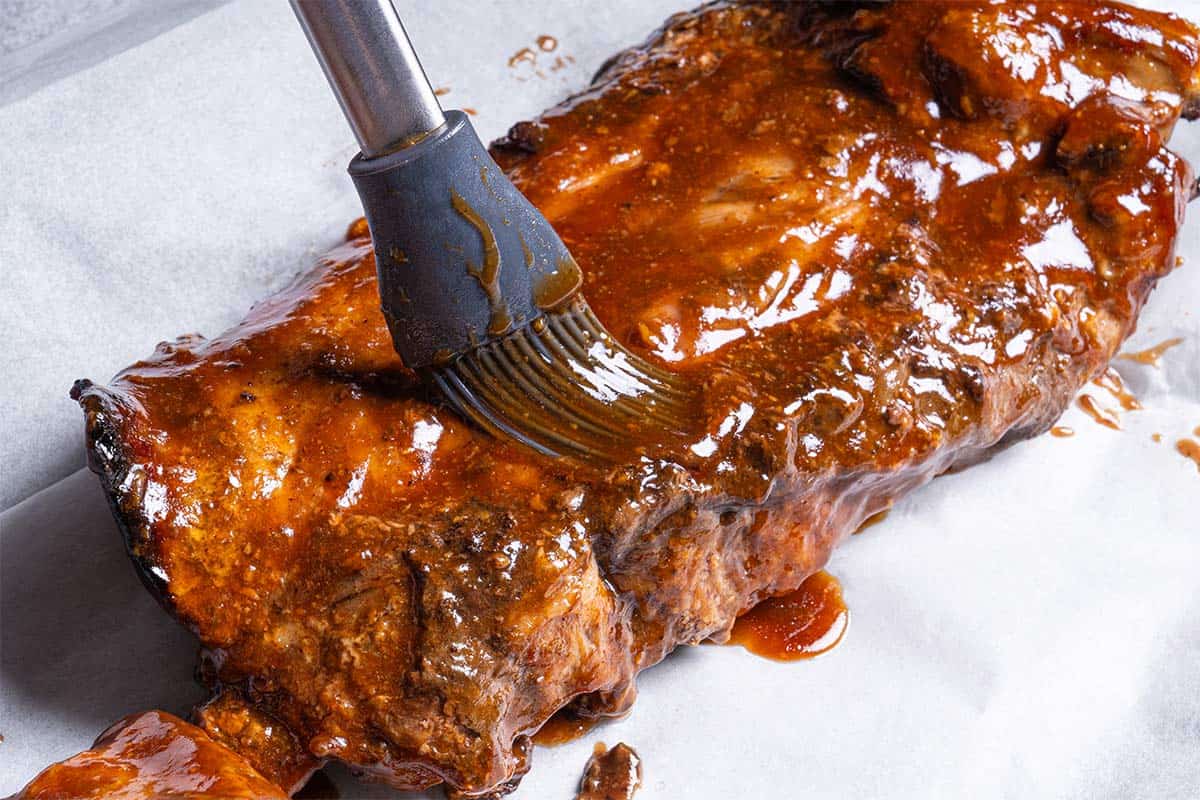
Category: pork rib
[886,239]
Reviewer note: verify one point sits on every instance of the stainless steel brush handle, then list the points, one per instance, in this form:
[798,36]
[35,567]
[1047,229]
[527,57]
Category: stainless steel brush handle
[462,256]
[371,65]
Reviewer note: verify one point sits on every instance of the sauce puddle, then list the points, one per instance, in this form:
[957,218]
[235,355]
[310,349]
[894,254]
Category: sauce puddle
[1151,355]
[563,727]
[806,623]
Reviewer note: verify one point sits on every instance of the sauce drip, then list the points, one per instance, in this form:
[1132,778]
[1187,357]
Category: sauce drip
[614,774]
[1110,380]
[806,623]
[871,521]
[563,727]
[1151,355]
[488,274]
[1190,449]
[1062,431]
[1103,416]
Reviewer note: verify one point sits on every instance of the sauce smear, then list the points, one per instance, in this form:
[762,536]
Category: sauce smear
[524,54]
[874,519]
[1062,431]
[1111,380]
[806,623]
[1103,416]
[1151,355]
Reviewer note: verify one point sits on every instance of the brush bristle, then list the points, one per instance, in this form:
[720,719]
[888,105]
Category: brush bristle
[565,387]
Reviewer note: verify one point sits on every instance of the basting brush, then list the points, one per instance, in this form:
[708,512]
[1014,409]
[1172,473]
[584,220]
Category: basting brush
[480,295]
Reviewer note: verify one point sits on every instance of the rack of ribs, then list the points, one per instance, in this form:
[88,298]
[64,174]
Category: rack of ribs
[885,239]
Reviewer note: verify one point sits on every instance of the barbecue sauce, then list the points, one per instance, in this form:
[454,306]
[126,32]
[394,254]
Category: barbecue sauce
[1103,416]
[152,754]
[806,623]
[614,774]
[1151,355]
[1111,380]
[563,727]
[1190,449]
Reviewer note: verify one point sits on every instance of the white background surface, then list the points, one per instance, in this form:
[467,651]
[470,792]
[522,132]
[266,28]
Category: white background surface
[1027,629]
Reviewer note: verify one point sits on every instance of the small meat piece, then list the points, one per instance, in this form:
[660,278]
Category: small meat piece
[882,247]
[152,756]
[266,743]
[611,774]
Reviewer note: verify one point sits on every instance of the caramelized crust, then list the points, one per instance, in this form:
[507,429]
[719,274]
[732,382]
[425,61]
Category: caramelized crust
[151,755]
[886,240]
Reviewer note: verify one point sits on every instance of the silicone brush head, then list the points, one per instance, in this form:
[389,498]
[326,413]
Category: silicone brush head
[482,297]
[563,386]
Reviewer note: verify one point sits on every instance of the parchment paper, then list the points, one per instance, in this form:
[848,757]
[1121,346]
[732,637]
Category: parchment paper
[1027,629]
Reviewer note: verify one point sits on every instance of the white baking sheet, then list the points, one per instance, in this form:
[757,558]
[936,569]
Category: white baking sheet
[1027,629]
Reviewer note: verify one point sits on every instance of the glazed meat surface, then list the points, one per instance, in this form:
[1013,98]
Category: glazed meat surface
[884,239]
[151,755]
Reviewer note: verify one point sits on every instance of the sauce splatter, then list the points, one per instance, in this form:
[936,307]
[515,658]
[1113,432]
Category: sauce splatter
[1110,380]
[1151,355]
[442,91]
[1062,431]
[1104,416]
[1156,437]
[1190,449]
[612,774]
[470,111]
[547,43]
[806,623]
[874,519]
[521,56]
[563,727]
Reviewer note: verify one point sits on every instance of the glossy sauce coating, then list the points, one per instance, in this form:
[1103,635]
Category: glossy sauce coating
[803,624]
[152,755]
[885,242]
